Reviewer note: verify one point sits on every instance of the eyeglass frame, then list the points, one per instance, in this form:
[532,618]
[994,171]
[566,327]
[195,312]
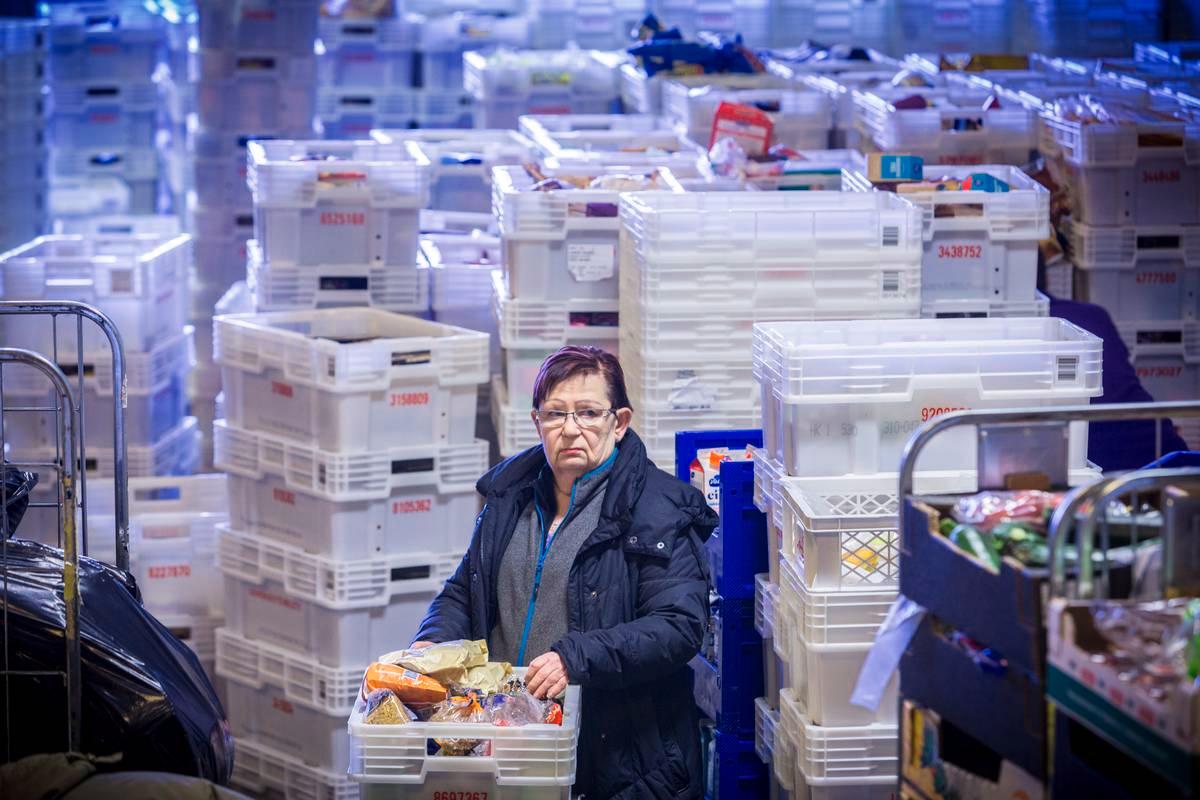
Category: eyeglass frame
[574,415]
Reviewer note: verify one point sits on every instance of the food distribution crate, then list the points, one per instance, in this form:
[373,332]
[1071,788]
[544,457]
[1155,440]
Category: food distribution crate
[1139,272]
[221,237]
[104,41]
[806,171]
[850,761]
[164,225]
[766,726]
[444,39]
[688,378]
[461,162]
[559,244]
[337,612]
[1166,356]
[266,715]
[220,163]
[801,118]
[378,53]
[954,129]
[284,26]
[139,281]
[515,429]
[818,255]
[172,543]
[768,499]
[657,427]
[843,397]
[98,114]
[354,113]
[868,23]
[259,90]
[1129,171]
[350,380]
[319,203]
[640,94]
[766,601]
[132,173]
[175,453]
[534,762]
[258,665]
[441,109]
[641,142]
[980,247]
[154,396]
[830,616]
[508,84]
[261,769]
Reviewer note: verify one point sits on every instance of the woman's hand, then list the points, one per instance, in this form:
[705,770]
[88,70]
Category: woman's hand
[546,676]
[420,645]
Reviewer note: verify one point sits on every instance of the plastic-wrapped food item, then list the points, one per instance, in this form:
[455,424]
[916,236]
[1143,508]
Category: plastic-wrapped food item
[384,708]
[978,544]
[488,678]
[554,714]
[623,183]
[1018,540]
[460,709]
[446,663]
[515,710]
[410,687]
[986,510]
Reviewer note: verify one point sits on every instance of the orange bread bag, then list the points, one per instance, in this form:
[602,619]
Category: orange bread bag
[411,688]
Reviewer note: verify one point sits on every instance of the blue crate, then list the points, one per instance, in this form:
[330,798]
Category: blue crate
[738,548]
[688,443]
[732,768]
[729,670]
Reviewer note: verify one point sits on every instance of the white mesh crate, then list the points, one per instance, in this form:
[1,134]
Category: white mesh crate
[641,142]
[696,377]
[801,117]
[96,114]
[354,113]
[640,93]
[955,26]
[174,454]
[260,90]
[261,769]
[657,427]
[1138,171]
[341,477]
[93,180]
[509,83]
[1166,357]
[319,203]
[461,268]
[768,473]
[809,255]
[338,612]
[441,109]
[287,26]
[844,397]
[850,615]
[444,39]
[954,129]
[265,714]
[220,165]
[1142,272]
[840,88]
[851,761]
[164,225]
[292,676]
[351,379]
[534,762]
[461,161]
[866,24]
[154,393]
[766,723]
[368,52]
[221,235]
[766,598]
[291,288]
[422,517]
[139,281]
[515,429]
[106,41]
[980,247]
[172,543]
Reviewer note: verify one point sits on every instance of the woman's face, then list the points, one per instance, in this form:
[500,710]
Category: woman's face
[572,450]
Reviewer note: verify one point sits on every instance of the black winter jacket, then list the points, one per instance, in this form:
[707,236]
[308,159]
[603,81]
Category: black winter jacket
[638,611]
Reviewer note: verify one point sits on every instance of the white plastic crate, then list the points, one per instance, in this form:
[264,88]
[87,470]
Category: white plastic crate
[103,181]
[221,235]
[280,25]
[1060,280]
[766,598]
[1166,356]
[817,255]
[289,675]
[461,268]
[851,615]
[220,164]
[106,41]
[1003,135]
[440,109]
[91,114]
[368,52]
[291,288]
[840,88]
[172,545]
[257,94]
[865,24]
[351,380]
[163,225]
[532,323]
[854,762]
[844,397]
[510,83]
[139,281]
[534,762]
[766,724]
[955,26]
[806,171]
[260,769]
[515,429]
[1122,173]
[801,117]
[640,94]
[700,376]
[340,613]
[657,427]
[444,39]
[767,499]
[266,715]
[979,246]
[641,142]
[174,454]
[199,633]
[354,113]
[461,161]
[154,393]
[437,511]
[340,477]
[319,203]
[561,244]
[1142,272]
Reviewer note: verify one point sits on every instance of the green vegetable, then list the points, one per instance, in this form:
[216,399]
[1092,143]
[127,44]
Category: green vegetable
[978,544]
[1026,545]
[946,526]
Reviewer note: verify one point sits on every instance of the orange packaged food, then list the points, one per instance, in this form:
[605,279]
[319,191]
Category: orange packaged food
[411,688]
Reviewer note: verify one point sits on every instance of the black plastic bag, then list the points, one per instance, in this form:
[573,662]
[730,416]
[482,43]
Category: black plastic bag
[15,495]
[145,694]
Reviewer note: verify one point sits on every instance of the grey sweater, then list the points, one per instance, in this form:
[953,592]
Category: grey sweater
[532,582]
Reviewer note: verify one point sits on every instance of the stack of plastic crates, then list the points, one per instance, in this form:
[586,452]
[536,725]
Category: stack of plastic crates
[350,452]
[1181,54]
[442,99]
[22,131]
[560,280]
[591,24]
[640,142]
[103,107]
[507,84]
[749,18]
[254,76]
[366,74]
[1092,27]
[140,280]
[954,26]
[698,270]
[840,401]
[1134,235]
[863,23]
[176,106]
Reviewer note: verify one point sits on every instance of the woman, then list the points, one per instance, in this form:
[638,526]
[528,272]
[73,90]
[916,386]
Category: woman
[588,566]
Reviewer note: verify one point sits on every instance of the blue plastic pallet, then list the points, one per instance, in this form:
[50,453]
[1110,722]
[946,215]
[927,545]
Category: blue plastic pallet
[732,769]
[729,675]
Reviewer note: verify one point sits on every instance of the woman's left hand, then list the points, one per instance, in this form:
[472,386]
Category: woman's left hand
[546,676]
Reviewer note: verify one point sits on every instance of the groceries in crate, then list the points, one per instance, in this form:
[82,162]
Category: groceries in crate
[385,708]
[987,659]
[663,52]
[705,470]
[609,182]
[1092,110]
[892,168]
[991,525]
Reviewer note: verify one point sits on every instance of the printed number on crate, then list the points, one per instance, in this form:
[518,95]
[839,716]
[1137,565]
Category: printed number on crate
[402,399]
[960,251]
[460,796]
[929,412]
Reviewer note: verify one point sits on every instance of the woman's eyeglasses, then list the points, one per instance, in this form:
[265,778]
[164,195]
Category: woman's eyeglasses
[584,417]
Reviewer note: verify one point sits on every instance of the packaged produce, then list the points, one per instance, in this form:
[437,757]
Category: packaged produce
[411,688]
[384,708]
[461,709]
[705,471]
[554,713]
[515,710]
[488,678]
[978,544]
[986,510]
[446,663]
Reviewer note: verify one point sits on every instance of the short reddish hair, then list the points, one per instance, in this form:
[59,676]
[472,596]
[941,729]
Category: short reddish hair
[572,360]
